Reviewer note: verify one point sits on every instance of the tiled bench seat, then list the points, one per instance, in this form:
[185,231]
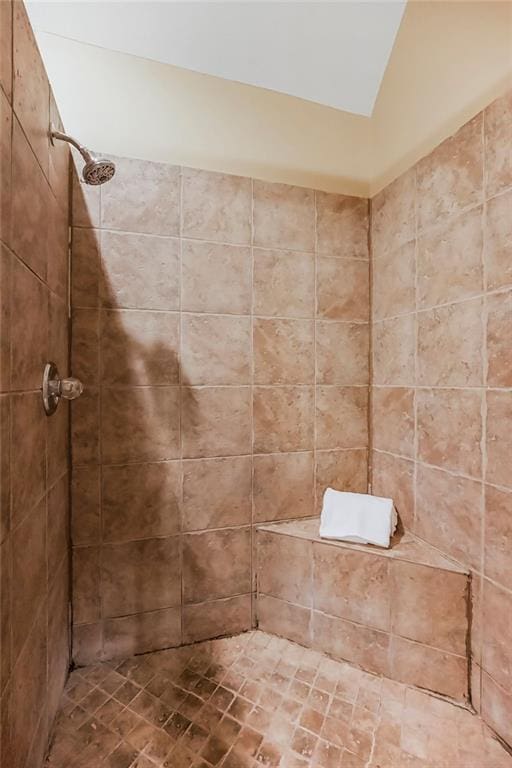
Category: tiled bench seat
[402,612]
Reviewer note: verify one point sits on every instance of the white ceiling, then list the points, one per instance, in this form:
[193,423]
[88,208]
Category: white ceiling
[333,53]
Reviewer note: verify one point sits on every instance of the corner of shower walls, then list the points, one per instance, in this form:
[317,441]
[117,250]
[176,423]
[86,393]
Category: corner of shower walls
[440,385]
[237,310]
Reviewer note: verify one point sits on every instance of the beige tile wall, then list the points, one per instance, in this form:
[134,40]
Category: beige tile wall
[34,529]
[442,372]
[220,326]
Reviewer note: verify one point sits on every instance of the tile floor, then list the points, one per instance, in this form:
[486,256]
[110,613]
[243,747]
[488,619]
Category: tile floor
[257,700]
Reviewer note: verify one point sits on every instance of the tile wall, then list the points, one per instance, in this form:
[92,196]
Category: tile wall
[442,373]
[220,326]
[34,530]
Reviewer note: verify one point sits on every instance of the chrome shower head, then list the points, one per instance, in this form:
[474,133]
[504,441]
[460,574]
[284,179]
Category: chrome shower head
[97,170]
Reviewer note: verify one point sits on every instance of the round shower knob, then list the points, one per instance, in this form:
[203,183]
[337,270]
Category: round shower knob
[55,388]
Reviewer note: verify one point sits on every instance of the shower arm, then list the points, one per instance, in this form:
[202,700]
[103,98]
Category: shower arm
[54,134]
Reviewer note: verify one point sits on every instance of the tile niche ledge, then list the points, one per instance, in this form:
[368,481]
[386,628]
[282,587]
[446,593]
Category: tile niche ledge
[403,612]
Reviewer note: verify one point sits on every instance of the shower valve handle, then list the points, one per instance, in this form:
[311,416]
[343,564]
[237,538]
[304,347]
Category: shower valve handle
[55,388]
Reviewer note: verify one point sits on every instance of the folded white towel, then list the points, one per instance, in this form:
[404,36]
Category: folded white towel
[357,517]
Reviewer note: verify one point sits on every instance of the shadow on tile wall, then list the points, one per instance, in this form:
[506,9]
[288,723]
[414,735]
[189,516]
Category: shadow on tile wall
[220,325]
[34,530]
[442,373]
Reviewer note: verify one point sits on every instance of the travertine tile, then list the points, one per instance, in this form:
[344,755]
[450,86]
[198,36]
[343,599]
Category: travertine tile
[417,664]
[498,241]
[219,617]
[57,523]
[368,648]
[450,261]
[283,419]
[138,271]
[6,120]
[497,617]
[85,505]
[86,584]
[283,351]
[87,643]
[393,478]
[449,424]
[140,576]
[498,535]
[393,351]
[301,712]
[283,216]
[28,573]
[448,514]
[216,206]
[215,421]
[139,348]
[341,576]
[283,486]
[142,632]
[497,707]
[28,685]
[216,492]
[342,353]
[393,420]
[85,428]
[216,564]
[293,583]
[215,278]
[344,470]
[341,417]
[284,619]
[342,289]
[29,328]
[450,178]
[31,91]
[429,606]
[393,282]
[450,345]
[85,347]
[140,424]
[85,272]
[29,224]
[342,225]
[498,164]
[393,214]
[145,198]
[215,349]
[28,453]
[6,48]
[5,466]
[140,501]
[499,317]
[284,283]
[499,410]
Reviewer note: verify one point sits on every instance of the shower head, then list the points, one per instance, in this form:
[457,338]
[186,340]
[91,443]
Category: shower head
[97,170]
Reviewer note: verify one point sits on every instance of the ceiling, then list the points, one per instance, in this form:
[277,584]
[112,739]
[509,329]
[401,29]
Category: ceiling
[332,53]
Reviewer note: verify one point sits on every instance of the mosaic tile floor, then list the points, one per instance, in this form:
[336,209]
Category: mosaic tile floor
[256,700]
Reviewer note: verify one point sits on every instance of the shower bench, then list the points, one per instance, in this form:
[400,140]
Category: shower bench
[402,612]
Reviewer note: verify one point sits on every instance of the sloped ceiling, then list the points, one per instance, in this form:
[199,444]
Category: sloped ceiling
[332,53]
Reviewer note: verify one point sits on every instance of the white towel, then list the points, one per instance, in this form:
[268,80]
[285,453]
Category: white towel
[357,517]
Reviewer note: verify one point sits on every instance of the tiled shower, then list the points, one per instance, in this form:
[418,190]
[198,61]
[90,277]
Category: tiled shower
[215,398]
[244,345]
